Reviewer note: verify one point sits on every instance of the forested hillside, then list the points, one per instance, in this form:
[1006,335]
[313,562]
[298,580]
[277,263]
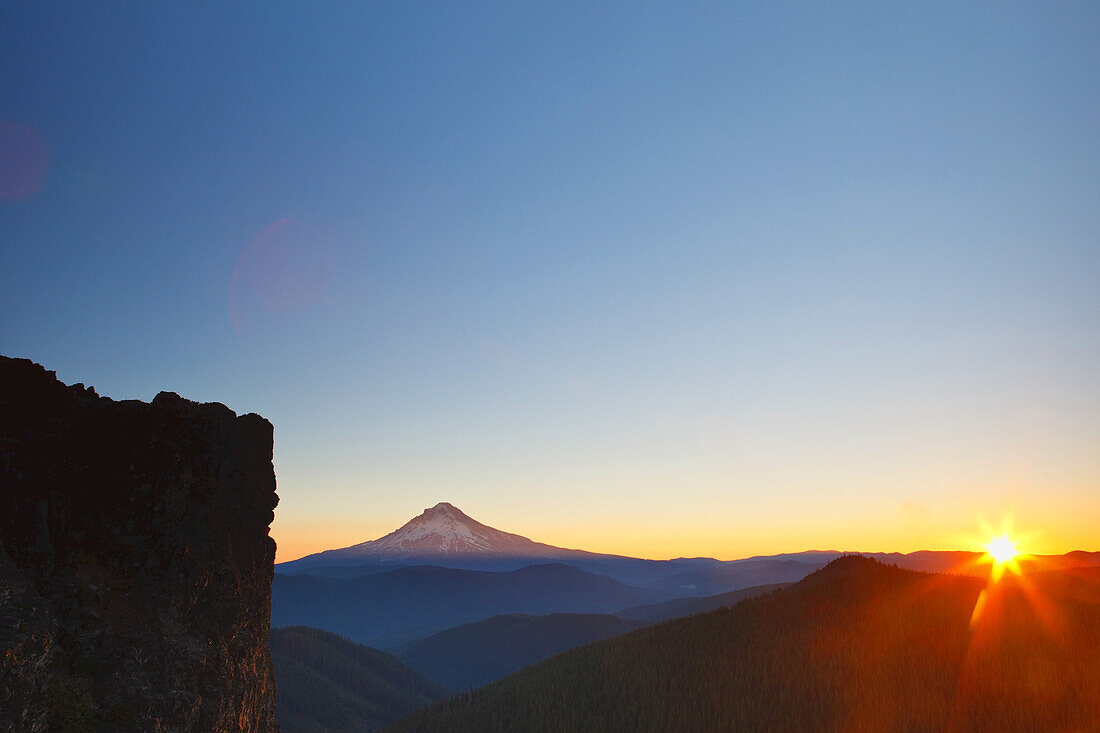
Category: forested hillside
[327,683]
[855,646]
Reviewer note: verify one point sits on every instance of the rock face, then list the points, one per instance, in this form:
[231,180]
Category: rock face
[135,561]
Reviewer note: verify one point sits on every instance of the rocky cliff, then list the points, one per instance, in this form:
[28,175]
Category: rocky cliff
[135,561]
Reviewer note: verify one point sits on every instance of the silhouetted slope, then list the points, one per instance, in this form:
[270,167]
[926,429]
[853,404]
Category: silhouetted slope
[328,683]
[855,646]
[135,561]
[388,609]
[680,607]
[475,654]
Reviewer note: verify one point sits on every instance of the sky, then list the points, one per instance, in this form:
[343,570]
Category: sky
[658,279]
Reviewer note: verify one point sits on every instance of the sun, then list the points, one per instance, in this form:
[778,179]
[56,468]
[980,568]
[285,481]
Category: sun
[1002,553]
[1002,549]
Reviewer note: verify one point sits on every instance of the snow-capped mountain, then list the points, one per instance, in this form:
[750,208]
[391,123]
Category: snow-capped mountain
[445,529]
[441,532]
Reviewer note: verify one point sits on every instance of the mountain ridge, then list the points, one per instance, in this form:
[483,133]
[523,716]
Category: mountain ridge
[445,536]
[857,646]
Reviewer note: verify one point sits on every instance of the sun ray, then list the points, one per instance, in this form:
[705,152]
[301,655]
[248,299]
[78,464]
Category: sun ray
[1001,548]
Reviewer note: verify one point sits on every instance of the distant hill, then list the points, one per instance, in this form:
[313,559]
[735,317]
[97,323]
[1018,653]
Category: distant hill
[680,607]
[393,607]
[855,646]
[327,683]
[475,654]
[346,572]
[736,576]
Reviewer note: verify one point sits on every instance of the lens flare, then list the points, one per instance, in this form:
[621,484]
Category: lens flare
[24,160]
[1002,549]
[1013,574]
[1002,553]
[286,268]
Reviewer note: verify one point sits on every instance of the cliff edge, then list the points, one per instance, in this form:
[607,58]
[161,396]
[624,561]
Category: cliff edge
[135,561]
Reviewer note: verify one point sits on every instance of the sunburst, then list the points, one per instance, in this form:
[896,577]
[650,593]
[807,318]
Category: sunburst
[1002,549]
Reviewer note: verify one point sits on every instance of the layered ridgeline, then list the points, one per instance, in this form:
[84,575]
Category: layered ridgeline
[391,608]
[439,570]
[135,561]
[328,683]
[444,536]
[855,646]
[473,655]
[444,569]
[680,607]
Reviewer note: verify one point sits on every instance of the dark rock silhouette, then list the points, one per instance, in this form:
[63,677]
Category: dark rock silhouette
[135,561]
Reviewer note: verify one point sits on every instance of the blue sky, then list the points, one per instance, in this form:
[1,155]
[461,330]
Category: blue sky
[661,279]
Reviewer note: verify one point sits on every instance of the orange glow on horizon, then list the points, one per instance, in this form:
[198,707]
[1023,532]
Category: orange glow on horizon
[724,542]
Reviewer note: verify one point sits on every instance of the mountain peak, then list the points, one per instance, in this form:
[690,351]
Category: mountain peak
[439,533]
[443,508]
[444,530]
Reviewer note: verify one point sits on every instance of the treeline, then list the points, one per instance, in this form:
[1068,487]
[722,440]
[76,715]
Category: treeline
[328,683]
[856,646]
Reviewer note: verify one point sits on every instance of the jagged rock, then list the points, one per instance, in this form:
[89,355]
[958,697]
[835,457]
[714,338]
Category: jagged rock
[135,561]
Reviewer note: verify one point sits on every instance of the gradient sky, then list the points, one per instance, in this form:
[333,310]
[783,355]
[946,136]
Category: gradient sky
[657,279]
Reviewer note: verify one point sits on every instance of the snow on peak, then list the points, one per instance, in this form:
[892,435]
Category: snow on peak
[438,533]
[444,529]
[444,508]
